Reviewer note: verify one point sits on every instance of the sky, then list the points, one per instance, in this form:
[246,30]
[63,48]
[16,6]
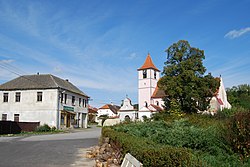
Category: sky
[99,45]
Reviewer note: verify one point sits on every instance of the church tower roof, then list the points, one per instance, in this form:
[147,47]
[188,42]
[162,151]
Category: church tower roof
[148,64]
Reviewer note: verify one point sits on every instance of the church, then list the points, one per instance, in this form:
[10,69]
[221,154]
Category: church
[150,97]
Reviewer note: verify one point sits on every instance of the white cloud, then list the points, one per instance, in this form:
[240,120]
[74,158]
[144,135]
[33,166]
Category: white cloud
[237,33]
[132,56]
[7,61]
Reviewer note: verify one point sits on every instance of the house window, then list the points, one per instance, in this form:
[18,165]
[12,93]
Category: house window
[39,96]
[144,73]
[4,117]
[83,102]
[80,102]
[16,117]
[5,97]
[61,97]
[155,74]
[73,100]
[65,99]
[18,96]
[86,103]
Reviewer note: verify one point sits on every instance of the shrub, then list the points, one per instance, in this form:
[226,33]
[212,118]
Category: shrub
[150,153]
[43,128]
[238,134]
[226,113]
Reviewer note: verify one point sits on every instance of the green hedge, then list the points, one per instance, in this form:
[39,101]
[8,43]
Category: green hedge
[150,153]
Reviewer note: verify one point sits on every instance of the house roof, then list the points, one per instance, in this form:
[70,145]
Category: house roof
[157,108]
[148,64]
[44,81]
[112,107]
[92,110]
[158,93]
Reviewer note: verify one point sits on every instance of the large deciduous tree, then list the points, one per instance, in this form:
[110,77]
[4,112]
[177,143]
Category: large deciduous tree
[187,87]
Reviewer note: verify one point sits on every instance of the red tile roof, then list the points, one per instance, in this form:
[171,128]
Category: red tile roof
[113,108]
[92,110]
[157,108]
[148,64]
[219,101]
[158,93]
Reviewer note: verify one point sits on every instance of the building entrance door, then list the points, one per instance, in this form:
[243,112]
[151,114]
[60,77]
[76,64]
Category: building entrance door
[68,121]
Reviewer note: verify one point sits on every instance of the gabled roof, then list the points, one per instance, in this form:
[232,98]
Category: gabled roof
[44,81]
[148,64]
[92,110]
[158,93]
[112,107]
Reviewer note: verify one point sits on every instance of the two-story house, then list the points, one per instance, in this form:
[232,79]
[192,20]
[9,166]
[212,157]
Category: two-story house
[43,98]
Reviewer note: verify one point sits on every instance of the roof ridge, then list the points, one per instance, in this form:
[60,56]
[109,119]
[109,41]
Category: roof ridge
[52,77]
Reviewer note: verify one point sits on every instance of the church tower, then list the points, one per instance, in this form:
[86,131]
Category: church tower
[148,76]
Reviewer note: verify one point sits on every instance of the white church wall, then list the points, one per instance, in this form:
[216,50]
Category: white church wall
[130,114]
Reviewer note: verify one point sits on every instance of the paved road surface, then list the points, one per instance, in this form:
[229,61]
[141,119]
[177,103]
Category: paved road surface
[57,150]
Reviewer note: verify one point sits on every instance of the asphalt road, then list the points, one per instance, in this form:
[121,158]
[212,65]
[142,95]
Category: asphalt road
[57,150]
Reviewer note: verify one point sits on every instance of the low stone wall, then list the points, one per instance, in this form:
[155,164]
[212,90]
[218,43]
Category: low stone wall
[111,122]
[11,127]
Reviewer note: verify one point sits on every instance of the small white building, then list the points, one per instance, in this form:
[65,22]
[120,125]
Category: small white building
[43,98]
[127,111]
[109,110]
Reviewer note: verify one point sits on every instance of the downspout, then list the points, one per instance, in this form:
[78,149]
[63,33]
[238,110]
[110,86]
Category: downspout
[58,110]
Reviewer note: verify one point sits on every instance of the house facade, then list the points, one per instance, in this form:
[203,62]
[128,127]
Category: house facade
[43,98]
[110,110]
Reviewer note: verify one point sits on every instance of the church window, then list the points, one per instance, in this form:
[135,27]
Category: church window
[144,73]
[155,74]
[157,103]
[146,104]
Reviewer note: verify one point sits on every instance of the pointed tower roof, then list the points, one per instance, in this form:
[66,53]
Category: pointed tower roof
[148,64]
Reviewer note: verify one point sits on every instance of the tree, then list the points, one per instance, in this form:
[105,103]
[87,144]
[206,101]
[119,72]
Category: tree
[239,95]
[184,81]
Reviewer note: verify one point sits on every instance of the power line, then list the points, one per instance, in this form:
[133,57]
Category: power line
[23,76]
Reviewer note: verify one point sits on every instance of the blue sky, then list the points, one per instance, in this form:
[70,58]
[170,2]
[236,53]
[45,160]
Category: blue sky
[98,45]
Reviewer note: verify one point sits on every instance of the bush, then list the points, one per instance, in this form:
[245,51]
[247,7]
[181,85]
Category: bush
[150,153]
[226,113]
[205,143]
[238,134]
[43,128]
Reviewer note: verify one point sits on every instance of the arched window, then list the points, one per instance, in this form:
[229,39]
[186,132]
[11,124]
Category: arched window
[127,118]
[144,73]
[157,103]
[145,104]
[155,74]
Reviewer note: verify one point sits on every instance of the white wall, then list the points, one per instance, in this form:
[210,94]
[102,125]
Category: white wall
[148,114]
[161,102]
[131,114]
[29,109]
[107,112]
